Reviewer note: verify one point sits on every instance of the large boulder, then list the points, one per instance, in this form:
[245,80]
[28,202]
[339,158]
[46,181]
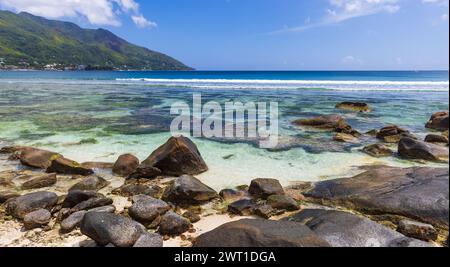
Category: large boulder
[188,189]
[39,181]
[91,183]
[342,229]
[173,224]
[146,209]
[354,106]
[260,233]
[37,158]
[125,165]
[178,156]
[66,166]
[107,228]
[439,121]
[419,193]
[264,187]
[21,206]
[414,149]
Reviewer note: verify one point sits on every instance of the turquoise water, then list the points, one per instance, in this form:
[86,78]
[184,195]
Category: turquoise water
[96,116]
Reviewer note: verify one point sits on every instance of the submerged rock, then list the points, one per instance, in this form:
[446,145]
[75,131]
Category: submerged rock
[92,183]
[188,189]
[418,230]
[263,188]
[37,219]
[39,181]
[325,122]
[21,206]
[66,166]
[420,193]
[435,138]
[342,229]
[260,233]
[378,150]
[178,156]
[414,149]
[439,121]
[393,134]
[173,224]
[125,165]
[346,138]
[107,228]
[354,106]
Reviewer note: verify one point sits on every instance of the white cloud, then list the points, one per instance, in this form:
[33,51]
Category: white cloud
[351,60]
[343,10]
[142,22]
[96,12]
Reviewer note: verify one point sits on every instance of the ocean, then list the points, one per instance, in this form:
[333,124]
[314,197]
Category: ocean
[96,116]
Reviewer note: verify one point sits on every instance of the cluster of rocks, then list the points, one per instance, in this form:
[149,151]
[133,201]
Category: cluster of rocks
[385,206]
[433,148]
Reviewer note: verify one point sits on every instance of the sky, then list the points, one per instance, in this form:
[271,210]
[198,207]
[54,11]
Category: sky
[271,34]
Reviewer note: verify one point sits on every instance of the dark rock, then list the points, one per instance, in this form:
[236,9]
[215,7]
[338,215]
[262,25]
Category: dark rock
[260,233]
[354,106]
[6,195]
[129,190]
[37,158]
[435,138]
[21,206]
[418,230]
[282,202]
[188,189]
[439,121]
[191,216]
[37,219]
[126,165]
[39,181]
[342,229]
[75,197]
[263,188]
[418,193]
[73,221]
[107,209]
[243,207]
[378,150]
[66,166]
[178,156]
[146,209]
[149,240]
[393,134]
[173,224]
[414,149]
[232,195]
[145,171]
[106,228]
[92,183]
[265,211]
[92,203]
[326,122]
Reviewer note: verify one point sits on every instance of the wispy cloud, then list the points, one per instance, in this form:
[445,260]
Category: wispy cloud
[343,10]
[96,12]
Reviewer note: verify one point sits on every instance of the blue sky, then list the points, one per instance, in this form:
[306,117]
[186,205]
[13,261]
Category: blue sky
[271,34]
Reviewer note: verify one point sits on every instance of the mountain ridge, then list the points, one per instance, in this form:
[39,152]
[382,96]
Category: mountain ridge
[28,41]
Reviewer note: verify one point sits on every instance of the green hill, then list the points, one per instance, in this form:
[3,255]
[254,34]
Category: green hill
[30,41]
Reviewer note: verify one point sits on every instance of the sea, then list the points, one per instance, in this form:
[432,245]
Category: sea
[97,116]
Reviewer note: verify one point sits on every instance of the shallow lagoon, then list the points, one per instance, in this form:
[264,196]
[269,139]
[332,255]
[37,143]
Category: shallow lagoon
[99,120]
